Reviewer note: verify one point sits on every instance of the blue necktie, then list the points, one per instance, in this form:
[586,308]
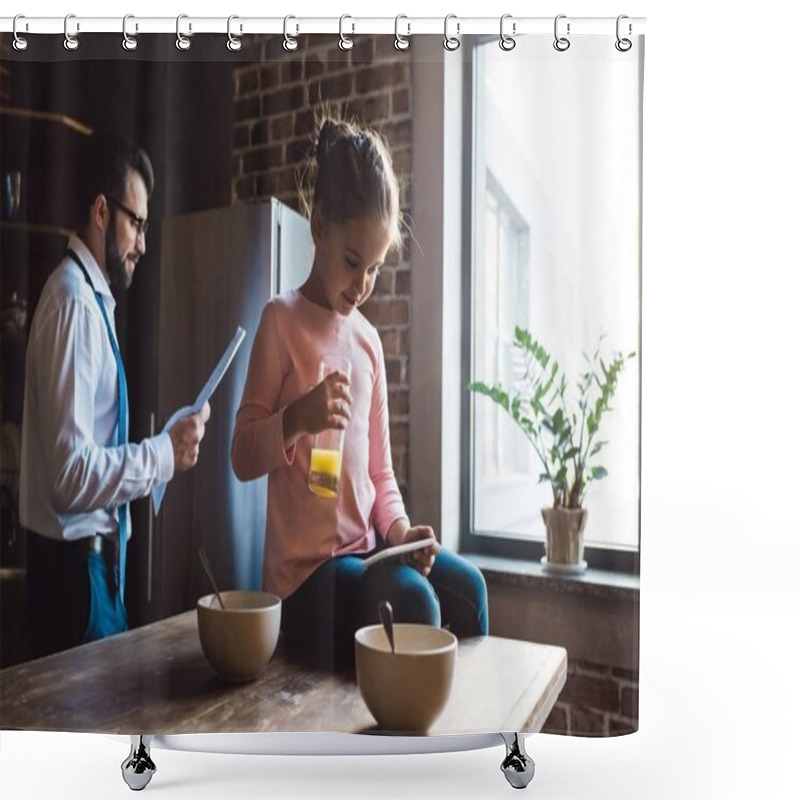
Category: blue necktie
[122,425]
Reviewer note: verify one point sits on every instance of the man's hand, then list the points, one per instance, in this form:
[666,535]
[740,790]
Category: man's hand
[186,435]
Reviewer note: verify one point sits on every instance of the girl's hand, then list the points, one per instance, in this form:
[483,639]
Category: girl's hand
[421,560]
[328,405]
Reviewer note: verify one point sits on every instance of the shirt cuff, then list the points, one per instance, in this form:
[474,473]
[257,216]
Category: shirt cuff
[165,457]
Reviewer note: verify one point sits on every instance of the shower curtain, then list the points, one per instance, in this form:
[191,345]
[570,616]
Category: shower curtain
[507,327]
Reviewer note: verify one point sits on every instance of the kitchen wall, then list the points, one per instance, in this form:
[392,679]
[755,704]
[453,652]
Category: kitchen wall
[274,123]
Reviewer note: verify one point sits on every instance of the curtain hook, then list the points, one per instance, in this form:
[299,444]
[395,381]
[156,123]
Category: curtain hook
[288,42]
[561,43]
[507,42]
[623,45]
[182,42]
[345,42]
[450,42]
[129,42]
[70,42]
[20,42]
[401,42]
[234,43]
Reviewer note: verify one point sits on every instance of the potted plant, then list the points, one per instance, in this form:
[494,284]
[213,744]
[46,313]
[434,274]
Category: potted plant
[564,439]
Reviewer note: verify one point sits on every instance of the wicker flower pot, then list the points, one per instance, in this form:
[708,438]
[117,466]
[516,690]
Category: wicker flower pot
[564,545]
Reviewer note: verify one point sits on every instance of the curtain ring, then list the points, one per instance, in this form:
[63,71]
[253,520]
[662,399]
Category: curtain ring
[401,42]
[70,42]
[561,43]
[345,42]
[288,42]
[20,42]
[182,42]
[507,42]
[450,42]
[234,43]
[623,45]
[129,42]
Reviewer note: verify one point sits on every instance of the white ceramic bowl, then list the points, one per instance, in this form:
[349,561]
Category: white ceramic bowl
[406,690]
[239,640]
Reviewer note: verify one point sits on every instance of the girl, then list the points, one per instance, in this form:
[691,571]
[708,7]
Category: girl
[315,546]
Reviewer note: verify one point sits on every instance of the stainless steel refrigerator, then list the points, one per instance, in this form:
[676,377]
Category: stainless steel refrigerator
[218,269]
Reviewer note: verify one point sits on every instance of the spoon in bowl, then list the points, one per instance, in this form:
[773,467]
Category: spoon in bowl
[387,618]
[207,567]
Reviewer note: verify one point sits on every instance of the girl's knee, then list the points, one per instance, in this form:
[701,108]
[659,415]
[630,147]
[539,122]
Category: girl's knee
[412,597]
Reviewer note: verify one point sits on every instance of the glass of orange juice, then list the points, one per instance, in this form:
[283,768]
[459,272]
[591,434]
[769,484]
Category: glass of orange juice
[326,447]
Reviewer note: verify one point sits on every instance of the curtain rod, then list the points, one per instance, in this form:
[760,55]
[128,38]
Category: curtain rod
[294,25]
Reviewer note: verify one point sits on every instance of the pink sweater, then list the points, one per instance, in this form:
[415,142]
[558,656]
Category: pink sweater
[303,529]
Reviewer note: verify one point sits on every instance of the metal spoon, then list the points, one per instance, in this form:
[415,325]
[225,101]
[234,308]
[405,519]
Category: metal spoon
[387,618]
[207,567]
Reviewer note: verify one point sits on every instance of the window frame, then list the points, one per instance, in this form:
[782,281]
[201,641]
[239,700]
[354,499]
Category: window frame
[612,558]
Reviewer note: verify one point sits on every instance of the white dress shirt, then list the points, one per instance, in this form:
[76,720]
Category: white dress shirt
[73,476]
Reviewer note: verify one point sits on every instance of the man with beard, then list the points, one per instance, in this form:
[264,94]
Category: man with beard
[79,472]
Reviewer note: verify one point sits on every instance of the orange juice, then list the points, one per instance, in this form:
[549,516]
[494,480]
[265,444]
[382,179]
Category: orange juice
[323,476]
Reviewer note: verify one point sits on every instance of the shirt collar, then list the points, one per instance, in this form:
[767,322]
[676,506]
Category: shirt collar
[92,267]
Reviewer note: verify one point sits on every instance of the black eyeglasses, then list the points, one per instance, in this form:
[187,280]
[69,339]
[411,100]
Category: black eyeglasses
[141,224]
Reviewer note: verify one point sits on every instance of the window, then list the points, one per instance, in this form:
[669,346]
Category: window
[554,241]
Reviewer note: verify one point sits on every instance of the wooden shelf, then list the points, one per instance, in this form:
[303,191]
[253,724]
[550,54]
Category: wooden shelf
[47,116]
[32,227]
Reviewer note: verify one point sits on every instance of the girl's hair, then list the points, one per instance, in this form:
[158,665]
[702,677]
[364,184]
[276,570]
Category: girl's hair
[352,176]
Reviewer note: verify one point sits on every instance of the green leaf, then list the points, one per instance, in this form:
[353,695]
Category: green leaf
[598,472]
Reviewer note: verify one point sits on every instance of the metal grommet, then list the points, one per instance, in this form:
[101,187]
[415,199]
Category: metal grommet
[234,43]
[561,43]
[182,42]
[623,45]
[129,42]
[288,42]
[20,42]
[70,42]
[507,42]
[401,42]
[345,42]
[450,42]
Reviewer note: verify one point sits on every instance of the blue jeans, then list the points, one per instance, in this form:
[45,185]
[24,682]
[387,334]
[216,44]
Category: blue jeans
[319,619]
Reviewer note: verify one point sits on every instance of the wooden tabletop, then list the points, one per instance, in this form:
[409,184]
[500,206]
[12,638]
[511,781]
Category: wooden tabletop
[155,680]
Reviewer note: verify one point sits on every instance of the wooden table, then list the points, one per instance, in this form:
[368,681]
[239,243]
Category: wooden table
[155,680]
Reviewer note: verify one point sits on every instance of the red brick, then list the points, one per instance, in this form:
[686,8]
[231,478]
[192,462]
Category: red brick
[244,188]
[401,101]
[558,720]
[398,403]
[281,127]
[629,702]
[583,690]
[259,134]
[586,722]
[398,133]
[304,123]
[270,76]
[398,434]
[390,339]
[313,67]
[292,71]
[383,312]
[384,76]
[384,285]
[280,100]
[236,166]
[247,108]
[262,158]
[297,151]
[394,371]
[265,184]
[247,82]
[402,283]
[287,180]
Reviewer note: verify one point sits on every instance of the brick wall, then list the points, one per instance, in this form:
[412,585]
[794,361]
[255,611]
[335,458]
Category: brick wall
[597,700]
[274,102]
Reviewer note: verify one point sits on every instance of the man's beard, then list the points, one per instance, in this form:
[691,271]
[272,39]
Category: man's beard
[115,265]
